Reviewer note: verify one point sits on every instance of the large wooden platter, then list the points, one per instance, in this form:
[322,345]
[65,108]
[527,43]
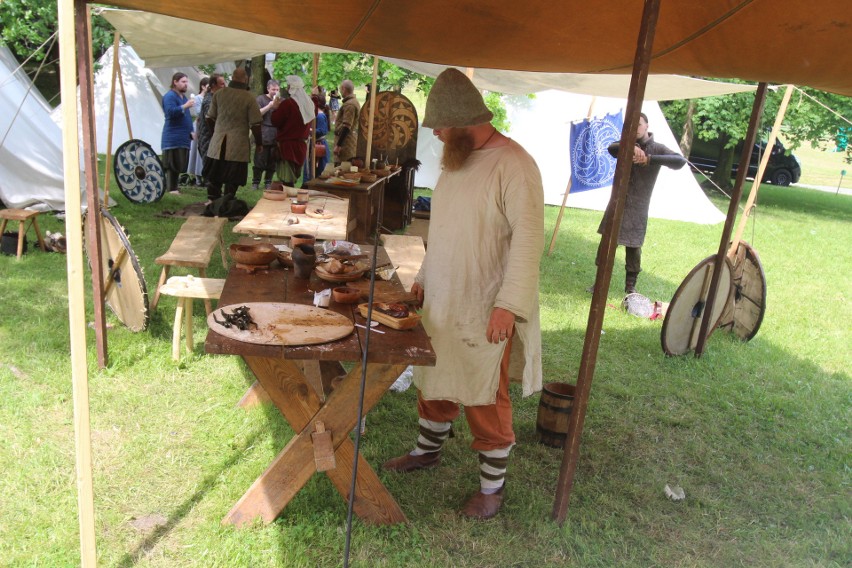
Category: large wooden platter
[280,323]
[744,313]
[683,318]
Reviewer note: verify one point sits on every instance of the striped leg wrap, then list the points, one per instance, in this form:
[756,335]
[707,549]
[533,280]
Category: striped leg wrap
[432,436]
[492,469]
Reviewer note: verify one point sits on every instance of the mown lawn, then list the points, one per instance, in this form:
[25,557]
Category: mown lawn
[756,433]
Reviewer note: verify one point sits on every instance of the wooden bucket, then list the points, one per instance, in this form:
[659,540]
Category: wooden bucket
[554,408]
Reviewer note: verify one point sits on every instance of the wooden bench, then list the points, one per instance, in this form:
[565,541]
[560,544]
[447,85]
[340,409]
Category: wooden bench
[185,288]
[406,253]
[21,216]
[192,247]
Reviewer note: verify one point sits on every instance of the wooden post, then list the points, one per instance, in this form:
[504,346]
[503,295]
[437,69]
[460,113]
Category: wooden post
[764,160]
[372,114]
[124,104]
[736,195]
[115,47]
[567,191]
[641,63]
[76,293]
[312,151]
[93,202]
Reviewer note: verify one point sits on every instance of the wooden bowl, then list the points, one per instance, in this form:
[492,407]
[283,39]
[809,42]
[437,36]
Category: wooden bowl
[344,295]
[382,173]
[299,207]
[352,175]
[260,254]
[274,195]
[369,178]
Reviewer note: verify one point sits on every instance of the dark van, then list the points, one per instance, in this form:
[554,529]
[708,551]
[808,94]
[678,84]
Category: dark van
[783,168]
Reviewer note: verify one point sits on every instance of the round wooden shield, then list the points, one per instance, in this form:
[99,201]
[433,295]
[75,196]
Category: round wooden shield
[138,172]
[278,323]
[124,283]
[683,319]
[394,128]
[744,313]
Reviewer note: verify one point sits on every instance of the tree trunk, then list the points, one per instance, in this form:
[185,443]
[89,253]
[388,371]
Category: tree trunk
[688,130]
[258,65]
[722,174]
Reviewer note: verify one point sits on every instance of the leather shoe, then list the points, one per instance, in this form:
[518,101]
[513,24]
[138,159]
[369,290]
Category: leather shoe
[407,463]
[482,506]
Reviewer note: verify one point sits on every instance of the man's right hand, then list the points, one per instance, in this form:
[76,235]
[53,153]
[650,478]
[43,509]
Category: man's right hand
[417,290]
[639,156]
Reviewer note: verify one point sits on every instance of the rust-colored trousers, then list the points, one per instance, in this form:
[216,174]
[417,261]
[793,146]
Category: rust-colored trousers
[491,424]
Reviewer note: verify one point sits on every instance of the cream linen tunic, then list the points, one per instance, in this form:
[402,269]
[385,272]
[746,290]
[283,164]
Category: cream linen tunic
[235,111]
[486,235]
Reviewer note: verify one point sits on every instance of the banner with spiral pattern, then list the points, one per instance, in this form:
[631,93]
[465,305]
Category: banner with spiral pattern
[592,167]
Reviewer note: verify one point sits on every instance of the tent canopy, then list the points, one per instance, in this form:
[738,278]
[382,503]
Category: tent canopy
[186,42]
[776,41]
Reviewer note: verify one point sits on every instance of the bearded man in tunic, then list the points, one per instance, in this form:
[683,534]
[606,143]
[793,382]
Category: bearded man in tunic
[479,288]
[232,115]
[345,139]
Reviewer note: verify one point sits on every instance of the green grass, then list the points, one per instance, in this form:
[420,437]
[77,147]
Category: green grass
[822,166]
[756,433]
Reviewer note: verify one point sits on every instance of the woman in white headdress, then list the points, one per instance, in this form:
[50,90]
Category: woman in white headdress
[292,118]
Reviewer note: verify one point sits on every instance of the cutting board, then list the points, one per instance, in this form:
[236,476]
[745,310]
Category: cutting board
[279,323]
[388,292]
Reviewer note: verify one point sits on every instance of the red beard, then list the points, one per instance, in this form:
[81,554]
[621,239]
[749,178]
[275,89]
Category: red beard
[457,148]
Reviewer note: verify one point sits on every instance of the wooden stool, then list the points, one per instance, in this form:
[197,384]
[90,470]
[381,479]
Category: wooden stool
[185,288]
[192,247]
[21,216]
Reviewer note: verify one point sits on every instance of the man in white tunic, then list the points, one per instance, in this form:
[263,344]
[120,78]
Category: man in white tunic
[479,287]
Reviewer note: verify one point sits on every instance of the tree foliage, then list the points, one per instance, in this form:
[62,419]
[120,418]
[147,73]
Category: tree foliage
[27,24]
[727,117]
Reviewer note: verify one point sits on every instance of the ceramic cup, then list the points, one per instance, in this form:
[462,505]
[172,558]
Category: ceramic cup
[304,258]
[302,239]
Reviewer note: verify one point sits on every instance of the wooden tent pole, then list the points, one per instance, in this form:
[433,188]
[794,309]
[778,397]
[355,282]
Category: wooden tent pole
[372,113]
[641,63]
[567,191]
[764,160]
[312,151]
[736,195]
[90,166]
[76,292]
[107,169]
[124,103]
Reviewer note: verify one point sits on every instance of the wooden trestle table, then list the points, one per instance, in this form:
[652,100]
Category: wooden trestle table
[288,375]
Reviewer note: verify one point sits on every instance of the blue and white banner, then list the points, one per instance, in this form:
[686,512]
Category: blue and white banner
[591,165]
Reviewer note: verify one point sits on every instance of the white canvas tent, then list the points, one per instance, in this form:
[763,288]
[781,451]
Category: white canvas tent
[143,92]
[30,143]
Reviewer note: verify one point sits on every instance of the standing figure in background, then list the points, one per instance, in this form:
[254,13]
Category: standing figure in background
[345,139]
[233,114]
[177,131]
[203,133]
[479,287]
[321,127]
[266,160]
[292,118]
[333,105]
[648,157]
[196,160]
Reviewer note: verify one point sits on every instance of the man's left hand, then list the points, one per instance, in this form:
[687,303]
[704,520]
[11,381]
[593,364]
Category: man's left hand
[501,326]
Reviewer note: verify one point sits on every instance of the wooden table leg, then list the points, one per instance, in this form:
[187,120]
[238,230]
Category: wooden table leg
[164,274]
[294,465]
[187,303]
[255,395]
[22,232]
[207,304]
[176,329]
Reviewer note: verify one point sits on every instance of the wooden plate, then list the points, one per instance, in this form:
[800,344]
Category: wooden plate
[317,213]
[346,277]
[284,324]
